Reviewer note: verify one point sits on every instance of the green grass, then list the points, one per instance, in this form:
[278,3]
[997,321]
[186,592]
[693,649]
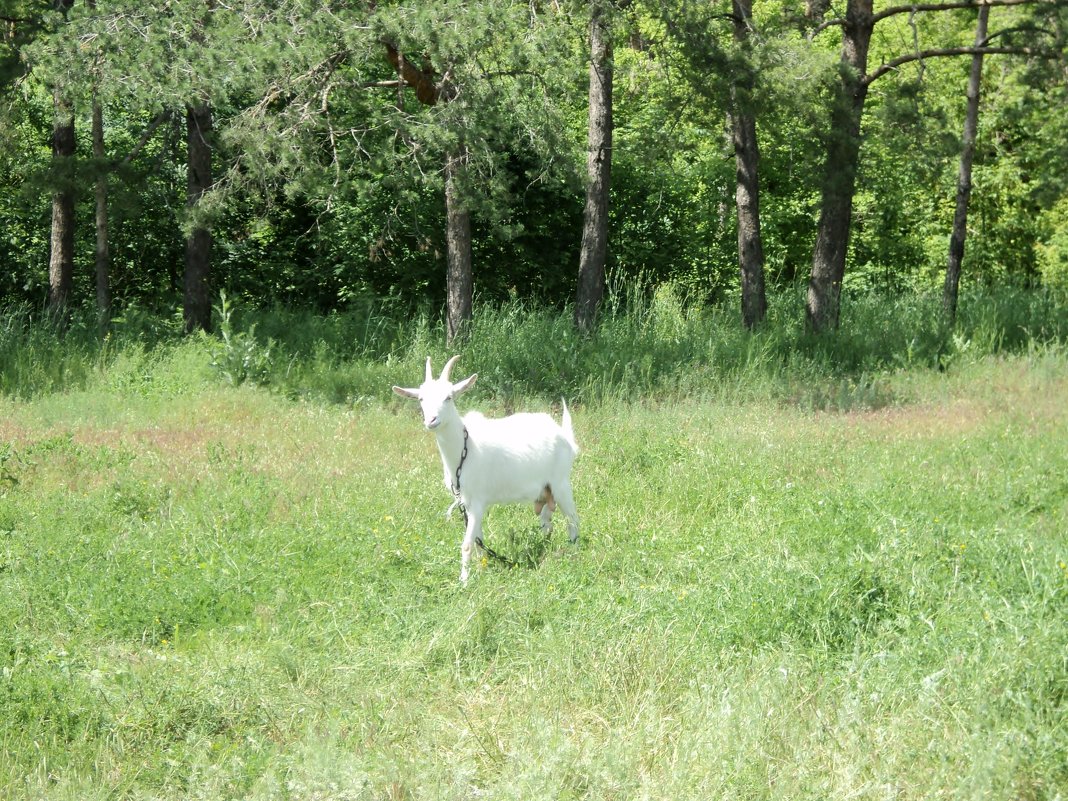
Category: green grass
[811,568]
[647,344]
[794,581]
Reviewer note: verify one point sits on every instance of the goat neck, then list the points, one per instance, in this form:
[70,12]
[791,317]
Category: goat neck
[450,437]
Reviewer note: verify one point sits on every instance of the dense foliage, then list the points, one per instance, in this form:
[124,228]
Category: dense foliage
[328,185]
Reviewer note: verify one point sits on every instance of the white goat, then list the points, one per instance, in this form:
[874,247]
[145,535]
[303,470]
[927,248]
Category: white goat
[522,457]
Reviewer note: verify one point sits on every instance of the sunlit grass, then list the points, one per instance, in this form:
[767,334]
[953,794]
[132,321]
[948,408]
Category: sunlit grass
[216,592]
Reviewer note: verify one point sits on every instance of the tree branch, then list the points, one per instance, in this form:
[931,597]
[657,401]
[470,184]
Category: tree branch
[827,23]
[1028,28]
[420,79]
[151,129]
[947,6]
[399,83]
[954,4]
[889,66]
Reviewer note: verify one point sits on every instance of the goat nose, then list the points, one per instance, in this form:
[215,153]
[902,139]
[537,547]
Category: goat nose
[432,422]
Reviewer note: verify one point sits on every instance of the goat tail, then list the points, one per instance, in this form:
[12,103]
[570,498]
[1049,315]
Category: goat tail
[569,431]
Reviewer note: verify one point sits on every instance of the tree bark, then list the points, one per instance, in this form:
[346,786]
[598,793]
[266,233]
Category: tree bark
[964,176]
[103,256]
[459,280]
[197,300]
[61,251]
[459,275]
[747,186]
[593,254]
[840,170]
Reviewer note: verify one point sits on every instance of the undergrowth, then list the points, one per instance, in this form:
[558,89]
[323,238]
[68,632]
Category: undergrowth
[647,343]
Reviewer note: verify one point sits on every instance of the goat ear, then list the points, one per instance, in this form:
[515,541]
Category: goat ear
[407,393]
[462,386]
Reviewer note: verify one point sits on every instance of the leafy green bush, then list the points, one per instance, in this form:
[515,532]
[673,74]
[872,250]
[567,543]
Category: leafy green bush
[1052,251]
[237,355]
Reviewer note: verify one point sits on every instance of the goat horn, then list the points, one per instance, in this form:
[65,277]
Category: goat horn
[448,367]
[429,375]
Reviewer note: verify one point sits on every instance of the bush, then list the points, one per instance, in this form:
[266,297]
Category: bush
[1052,251]
[238,356]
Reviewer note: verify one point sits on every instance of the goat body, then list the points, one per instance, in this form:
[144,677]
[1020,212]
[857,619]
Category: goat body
[511,459]
[522,457]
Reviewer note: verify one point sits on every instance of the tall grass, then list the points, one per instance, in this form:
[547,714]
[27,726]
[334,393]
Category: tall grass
[648,342]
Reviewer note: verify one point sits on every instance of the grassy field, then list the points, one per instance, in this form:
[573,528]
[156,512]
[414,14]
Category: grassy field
[854,589]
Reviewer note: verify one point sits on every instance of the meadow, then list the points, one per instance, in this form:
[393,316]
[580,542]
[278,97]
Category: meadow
[809,569]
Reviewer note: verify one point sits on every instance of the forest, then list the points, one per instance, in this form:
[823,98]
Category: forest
[315,155]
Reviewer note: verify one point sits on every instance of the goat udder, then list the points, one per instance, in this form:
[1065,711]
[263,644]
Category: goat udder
[545,499]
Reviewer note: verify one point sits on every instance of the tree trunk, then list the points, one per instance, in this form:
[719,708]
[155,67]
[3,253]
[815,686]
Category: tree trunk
[964,176]
[840,170]
[459,282]
[103,257]
[61,252]
[197,301]
[747,186]
[594,250]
